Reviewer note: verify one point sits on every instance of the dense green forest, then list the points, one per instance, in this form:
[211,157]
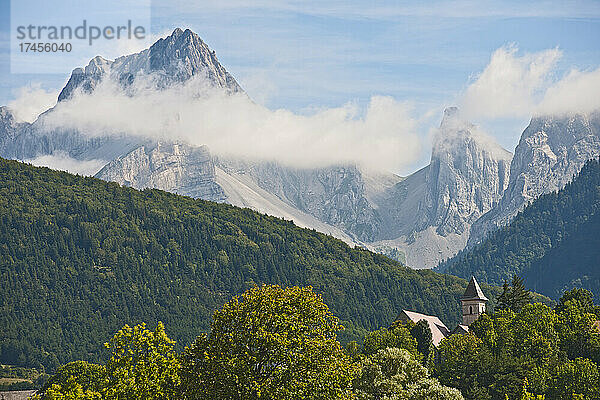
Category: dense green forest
[554,243]
[80,257]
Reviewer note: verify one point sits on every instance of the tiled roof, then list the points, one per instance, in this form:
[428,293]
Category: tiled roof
[438,330]
[473,291]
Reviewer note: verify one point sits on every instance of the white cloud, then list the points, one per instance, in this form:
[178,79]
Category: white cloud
[260,84]
[383,136]
[510,84]
[577,92]
[518,86]
[30,101]
[62,161]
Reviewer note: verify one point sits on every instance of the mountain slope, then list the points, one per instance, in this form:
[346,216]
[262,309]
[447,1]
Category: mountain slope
[364,207]
[422,219]
[552,149]
[429,214]
[553,242]
[79,257]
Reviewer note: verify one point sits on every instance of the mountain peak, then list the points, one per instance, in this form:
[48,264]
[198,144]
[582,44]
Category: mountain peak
[452,120]
[171,60]
[98,65]
[180,37]
[183,54]
[459,136]
[466,177]
[450,112]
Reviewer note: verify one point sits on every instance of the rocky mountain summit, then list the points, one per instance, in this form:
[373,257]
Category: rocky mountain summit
[429,214]
[552,149]
[467,175]
[171,60]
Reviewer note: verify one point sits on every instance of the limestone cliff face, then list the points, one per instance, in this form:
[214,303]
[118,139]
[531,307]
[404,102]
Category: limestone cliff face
[550,152]
[173,167]
[466,177]
[428,215]
[334,195]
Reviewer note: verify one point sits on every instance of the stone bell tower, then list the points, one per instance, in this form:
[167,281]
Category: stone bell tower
[473,302]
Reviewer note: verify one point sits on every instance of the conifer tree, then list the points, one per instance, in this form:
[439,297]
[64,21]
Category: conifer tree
[503,301]
[520,296]
[513,297]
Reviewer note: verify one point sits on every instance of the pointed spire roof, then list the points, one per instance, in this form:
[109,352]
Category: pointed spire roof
[473,291]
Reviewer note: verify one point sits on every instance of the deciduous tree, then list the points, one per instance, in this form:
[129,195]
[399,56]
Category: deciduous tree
[270,343]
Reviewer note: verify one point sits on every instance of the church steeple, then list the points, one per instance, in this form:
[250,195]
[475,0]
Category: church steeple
[473,302]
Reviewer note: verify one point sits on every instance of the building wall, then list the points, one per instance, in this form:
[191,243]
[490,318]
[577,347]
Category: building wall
[471,310]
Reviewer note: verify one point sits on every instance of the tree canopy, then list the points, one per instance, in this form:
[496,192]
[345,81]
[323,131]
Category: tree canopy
[514,297]
[526,352]
[270,343]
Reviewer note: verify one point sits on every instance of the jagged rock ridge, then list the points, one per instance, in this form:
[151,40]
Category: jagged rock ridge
[171,60]
[552,149]
[429,214]
[467,175]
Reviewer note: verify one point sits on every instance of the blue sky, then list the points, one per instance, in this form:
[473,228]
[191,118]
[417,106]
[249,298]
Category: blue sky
[308,55]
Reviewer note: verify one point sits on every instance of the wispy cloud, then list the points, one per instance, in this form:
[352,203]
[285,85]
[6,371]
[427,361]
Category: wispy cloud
[578,91]
[62,162]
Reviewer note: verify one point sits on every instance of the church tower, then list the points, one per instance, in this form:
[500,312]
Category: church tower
[473,302]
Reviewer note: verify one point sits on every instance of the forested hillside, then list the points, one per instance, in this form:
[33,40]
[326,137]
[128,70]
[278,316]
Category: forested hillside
[554,243]
[80,257]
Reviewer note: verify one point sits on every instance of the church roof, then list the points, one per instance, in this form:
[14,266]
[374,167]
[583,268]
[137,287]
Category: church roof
[438,330]
[461,330]
[473,291]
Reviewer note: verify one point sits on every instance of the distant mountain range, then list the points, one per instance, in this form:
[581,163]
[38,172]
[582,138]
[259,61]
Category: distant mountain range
[470,188]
